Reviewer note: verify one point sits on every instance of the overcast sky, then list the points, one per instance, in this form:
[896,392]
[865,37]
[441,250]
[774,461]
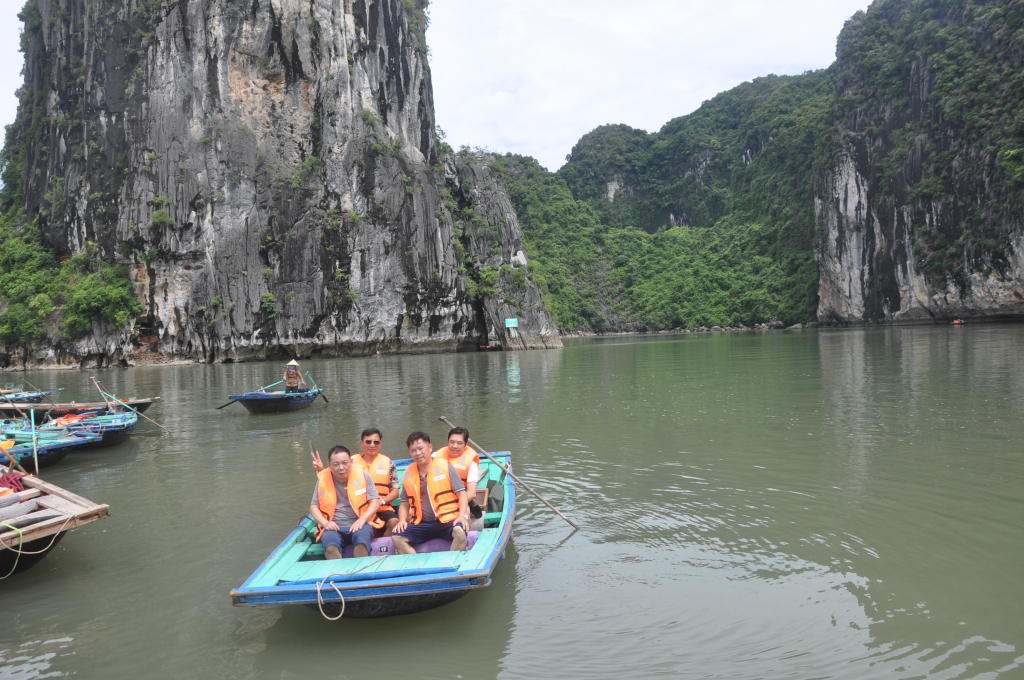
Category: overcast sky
[533,76]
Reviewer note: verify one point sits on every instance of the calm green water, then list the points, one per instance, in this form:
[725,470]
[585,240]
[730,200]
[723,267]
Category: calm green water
[798,504]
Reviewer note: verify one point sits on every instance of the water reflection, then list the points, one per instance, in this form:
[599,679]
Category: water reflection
[513,379]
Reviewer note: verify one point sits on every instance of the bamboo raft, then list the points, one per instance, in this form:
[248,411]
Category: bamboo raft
[45,515]
[8,410]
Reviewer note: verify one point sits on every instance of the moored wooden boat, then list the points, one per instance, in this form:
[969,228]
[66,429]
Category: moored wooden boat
[8,410]
[51,446]
[385,584]
[20,397]
[43,514]
[275,402]
[112,428]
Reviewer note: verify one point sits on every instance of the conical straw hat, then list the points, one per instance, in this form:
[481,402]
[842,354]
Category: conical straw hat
[293,362]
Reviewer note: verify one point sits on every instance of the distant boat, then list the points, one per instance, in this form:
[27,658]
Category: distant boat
[274,402]
[43,514]
[8,410]
[20,397]
[386,584]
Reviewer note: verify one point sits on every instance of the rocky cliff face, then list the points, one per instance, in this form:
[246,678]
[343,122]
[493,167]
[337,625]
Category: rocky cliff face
[269,172]
[921,212]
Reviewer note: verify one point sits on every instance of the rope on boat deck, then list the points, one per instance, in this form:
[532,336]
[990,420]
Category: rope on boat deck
[319,585]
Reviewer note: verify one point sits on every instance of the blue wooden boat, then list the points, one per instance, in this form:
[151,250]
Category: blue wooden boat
[51,446]
[20,397]
[113,428]
[385,584]
[275,402]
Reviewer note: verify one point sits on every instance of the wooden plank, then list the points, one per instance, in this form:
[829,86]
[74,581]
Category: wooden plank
[37,483]
[61,504]
[53,526]
[26,495]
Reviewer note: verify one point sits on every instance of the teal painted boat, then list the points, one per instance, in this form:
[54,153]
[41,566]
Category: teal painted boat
[386,584]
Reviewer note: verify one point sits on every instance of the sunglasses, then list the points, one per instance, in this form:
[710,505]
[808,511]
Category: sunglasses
[371,442]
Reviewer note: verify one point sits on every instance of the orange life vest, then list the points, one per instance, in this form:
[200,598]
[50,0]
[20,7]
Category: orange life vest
[443,500]
[327,496]
[462,463]
[380,473]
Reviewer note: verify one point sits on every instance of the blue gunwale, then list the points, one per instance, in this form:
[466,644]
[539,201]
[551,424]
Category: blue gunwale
[291,396]
[422,579]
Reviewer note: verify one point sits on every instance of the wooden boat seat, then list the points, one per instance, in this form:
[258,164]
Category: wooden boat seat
[384,546]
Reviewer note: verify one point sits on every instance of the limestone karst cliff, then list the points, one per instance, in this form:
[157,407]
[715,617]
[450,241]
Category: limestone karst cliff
[921,210]
[269,172]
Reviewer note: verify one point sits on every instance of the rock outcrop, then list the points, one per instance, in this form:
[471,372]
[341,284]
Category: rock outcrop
[921,212]
[270,174]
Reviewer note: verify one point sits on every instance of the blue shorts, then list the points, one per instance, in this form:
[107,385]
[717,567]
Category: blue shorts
[424,531]
[343,539]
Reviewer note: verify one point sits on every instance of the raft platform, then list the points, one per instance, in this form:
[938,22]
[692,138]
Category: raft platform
[43,513]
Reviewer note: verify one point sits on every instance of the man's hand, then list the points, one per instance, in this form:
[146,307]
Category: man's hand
[357,525]
[318,465]
[462,522]
[400,527]
[332,526]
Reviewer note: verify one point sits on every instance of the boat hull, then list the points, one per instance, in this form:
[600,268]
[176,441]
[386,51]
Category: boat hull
[111,437]
[26,562]
[277,403]
[383,607]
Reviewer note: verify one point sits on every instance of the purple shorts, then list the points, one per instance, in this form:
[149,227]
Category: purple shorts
[424,531]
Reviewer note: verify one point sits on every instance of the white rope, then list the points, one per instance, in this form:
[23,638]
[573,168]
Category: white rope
[320,599]
[319,585]
[52,541]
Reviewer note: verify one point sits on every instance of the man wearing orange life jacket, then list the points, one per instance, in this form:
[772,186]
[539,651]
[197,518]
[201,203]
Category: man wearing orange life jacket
[465,461]
[383,473]
[344,503]
[433,501]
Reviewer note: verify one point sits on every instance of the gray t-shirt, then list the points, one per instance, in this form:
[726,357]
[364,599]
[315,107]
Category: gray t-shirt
[343,514]
[428,509]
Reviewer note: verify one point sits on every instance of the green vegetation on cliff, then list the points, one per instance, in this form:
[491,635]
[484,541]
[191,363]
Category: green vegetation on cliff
[708,222]
[41,297]
[45,298]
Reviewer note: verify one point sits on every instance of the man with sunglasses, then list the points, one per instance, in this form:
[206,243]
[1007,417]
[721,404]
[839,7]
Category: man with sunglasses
[383,473]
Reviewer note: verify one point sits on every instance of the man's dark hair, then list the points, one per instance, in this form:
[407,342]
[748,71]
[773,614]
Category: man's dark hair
[459,431]
[338,449]
[368,431]
[416,435]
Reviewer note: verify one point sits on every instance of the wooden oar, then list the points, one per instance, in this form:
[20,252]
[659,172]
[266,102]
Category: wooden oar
[233,401]
[14,463]
[137,412]
[509,473]
[264,389]
[314,385]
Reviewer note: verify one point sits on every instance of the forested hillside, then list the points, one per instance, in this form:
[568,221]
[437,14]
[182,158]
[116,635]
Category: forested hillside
[709,221]
[899,170]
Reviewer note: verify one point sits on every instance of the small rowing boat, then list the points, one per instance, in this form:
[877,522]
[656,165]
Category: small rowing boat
[21,397]
[113,428]
[8,410]
[50,448]
[37,519]
[275,402]
[386,584]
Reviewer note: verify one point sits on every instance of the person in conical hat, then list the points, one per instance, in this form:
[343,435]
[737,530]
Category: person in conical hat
[292,377]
